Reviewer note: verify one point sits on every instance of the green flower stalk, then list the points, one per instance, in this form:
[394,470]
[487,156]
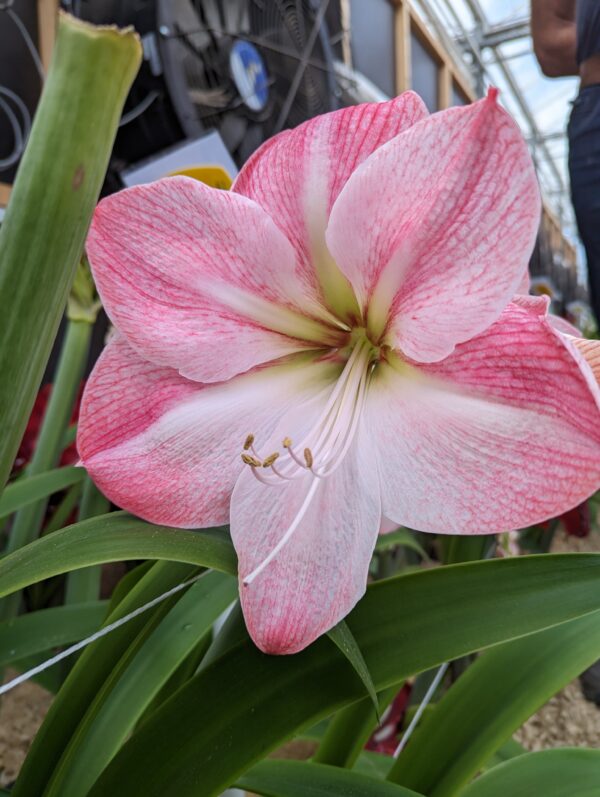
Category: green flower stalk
[59,180]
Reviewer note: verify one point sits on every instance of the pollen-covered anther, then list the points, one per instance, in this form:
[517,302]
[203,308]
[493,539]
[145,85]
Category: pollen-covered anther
[287,442]
[308,457]
[254,462]
[248,442]
[270,459]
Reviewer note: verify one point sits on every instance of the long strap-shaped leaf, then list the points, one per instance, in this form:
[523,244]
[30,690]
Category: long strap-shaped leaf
[550,773]
[43,630]
[92,669]
[112,538]
[301,779]
[27,490]
[131,687]
[490,701]
[403,625]
[46,222]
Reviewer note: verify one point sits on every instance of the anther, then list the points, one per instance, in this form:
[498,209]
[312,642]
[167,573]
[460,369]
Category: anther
[308,457]
[287,442]
[270,459]
[252,461]
[248,442]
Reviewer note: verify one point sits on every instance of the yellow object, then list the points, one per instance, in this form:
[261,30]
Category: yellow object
[215,176]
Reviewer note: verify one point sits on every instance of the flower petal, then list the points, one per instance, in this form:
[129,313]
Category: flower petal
[434,231]
[168,449]
[590,349]
[197,279]
[503,434]
[298,175]
[321,572]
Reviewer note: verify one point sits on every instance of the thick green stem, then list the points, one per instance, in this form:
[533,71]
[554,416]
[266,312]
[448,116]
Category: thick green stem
[350,729]
[29,520]
[84,585]
[59,179]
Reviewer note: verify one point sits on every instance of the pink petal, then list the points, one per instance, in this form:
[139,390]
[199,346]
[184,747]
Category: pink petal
[319,575]
[525,284]
[564,326]
[590,349]
[435,230]
[196,279]
[168,449]
[502,434]
[298,175]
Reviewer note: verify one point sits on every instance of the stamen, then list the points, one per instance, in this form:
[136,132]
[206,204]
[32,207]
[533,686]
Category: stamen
[287,442]
[308,458]
[270,459]
[248,442]
[250,460]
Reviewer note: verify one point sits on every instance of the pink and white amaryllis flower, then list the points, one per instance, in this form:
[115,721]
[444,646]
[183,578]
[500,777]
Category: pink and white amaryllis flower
[333,342]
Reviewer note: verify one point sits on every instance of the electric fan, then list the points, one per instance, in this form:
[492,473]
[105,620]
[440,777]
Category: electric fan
[247,68]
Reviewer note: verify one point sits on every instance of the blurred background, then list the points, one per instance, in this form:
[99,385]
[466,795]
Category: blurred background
[221,76]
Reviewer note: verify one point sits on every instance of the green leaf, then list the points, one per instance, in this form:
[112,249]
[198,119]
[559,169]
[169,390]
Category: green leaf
[301,779]
[29,489]
[342,637]
[56,188]
[350,729]
[403,625]
[93,667]
[113,538]
[45,629]
[490,701]
[402,537]
[130,688]
[550,773]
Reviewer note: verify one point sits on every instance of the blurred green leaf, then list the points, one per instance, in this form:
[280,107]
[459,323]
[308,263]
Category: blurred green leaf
[402,537]
[549,773]
[302,779]
[29,489]
[45,629]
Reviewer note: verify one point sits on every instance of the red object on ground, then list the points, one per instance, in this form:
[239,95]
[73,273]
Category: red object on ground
[385,737]
[577,521]
[69,456]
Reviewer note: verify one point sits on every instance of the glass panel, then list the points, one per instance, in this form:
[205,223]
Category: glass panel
[373,42]
[424,73]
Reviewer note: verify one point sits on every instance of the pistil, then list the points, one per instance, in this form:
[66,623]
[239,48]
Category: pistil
[326,444]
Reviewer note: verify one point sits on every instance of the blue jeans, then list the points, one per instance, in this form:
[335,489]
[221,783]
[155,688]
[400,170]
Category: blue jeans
[584,170]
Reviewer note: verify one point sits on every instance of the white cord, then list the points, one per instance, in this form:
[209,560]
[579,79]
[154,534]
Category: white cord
[25,676]
[20,128]
[419,712]
[28,41]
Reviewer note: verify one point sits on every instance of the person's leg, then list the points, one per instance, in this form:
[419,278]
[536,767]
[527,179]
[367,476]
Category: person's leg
[584,170]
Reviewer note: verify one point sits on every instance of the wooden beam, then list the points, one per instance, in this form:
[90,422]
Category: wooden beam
[402,46]
[444,86]
[4,194]
[47,15]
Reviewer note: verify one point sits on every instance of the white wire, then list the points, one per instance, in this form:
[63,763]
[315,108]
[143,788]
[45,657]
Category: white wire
[28,41]
[419,712]
[21,129]
[25,676]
